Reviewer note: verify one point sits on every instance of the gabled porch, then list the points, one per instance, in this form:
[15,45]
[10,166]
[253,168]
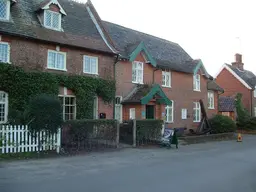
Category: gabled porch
[145,102]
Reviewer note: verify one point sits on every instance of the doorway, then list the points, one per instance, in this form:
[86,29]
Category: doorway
[150,112]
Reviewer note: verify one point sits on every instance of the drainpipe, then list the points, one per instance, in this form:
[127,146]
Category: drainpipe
[114,99]
[251,103]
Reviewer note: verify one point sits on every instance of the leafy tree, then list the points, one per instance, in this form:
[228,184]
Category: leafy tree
[243,115]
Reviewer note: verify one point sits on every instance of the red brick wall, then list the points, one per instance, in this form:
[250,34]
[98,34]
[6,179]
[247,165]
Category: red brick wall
[32,55]
[181,91]
[232,86]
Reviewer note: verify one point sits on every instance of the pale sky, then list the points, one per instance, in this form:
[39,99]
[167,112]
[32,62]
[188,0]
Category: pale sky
[205,29]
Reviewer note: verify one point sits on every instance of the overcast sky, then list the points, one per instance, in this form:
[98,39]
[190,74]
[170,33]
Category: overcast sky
[205,29]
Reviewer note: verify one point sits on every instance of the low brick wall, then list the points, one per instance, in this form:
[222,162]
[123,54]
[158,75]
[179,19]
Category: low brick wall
[206,138]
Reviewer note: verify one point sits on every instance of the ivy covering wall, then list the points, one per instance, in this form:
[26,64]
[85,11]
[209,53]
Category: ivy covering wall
[21,86]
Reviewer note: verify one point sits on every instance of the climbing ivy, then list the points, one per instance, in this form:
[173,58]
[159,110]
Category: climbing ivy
[21,86]
[243,115]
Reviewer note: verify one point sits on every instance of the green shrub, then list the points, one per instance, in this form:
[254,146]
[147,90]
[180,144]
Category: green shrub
[44,113]
[148,129]
[80,130]
[222,124]
[250,124]
[243,115]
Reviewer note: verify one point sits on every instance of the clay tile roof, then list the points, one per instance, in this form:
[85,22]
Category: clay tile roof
[246,75]
[137,93]
[212,85]
[166,53]
[78,27]
[226,104]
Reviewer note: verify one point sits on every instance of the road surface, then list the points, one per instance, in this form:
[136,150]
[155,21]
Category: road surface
[218,166]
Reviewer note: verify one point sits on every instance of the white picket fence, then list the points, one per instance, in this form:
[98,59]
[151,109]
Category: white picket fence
[18,139]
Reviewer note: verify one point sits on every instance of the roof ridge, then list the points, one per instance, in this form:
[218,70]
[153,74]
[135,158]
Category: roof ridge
[141,32]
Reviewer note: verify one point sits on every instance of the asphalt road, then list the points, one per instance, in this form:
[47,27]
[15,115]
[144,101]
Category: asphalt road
[219,166]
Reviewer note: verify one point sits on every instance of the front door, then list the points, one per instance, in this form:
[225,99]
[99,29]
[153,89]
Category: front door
[150,111]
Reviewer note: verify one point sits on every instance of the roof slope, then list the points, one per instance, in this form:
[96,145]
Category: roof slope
[212,85]
[226,104]
[167,54]
[246,75]
[79,29]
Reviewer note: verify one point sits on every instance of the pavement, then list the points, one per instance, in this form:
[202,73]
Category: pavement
[217,166]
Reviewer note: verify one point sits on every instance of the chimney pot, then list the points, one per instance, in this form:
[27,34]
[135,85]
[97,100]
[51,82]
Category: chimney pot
[238,62]
[238,58]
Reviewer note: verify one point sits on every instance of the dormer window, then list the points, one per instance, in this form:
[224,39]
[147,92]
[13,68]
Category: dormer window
[4,9]
[50,14]
[52,20]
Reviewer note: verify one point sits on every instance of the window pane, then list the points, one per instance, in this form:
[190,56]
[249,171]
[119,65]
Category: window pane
[167,80]
[48,19]
[134,75]
[4,52]
[3,9]
[51,59]
[60,61]
[139,75]
[93,65]
[55,20]
[87,67]
[163,79]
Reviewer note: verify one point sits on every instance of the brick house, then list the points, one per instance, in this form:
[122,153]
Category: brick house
[56,36]
[157,79]
[235,79]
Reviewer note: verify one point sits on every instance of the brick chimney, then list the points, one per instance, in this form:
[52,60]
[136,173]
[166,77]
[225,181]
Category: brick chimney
[238,62]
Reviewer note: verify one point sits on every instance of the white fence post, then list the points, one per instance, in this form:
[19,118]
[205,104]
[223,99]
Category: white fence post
[17,138]
[58,141]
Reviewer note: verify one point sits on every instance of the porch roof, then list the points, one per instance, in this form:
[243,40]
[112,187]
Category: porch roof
[143,94]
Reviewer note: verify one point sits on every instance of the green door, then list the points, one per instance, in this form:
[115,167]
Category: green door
[150,111]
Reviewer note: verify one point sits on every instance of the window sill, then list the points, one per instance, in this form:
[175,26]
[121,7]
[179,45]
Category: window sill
[137,83]
[57,69]
[97,74]
[4,19]
[197,90]
[170,122]
[211,108]
[196,121]
[166,86]
[55,29]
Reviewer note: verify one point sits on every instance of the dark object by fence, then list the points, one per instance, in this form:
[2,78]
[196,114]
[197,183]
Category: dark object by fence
[126,132]
[204,126]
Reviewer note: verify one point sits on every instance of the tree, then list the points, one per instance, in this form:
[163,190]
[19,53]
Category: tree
[44,114]
[243,115]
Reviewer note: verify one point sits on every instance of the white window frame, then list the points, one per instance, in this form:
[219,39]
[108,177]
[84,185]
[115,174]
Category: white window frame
[6,107]
[164,82]
[196,82]
[254,92]
[8,50]
[63,105]
[210,100]
[134,67]
[196,109]
[254,111]
[57,52]
[184,114]
[97,64]
[167,111]
[132,113]
[8,7]
[96,108]
[51,27]
[120,107]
